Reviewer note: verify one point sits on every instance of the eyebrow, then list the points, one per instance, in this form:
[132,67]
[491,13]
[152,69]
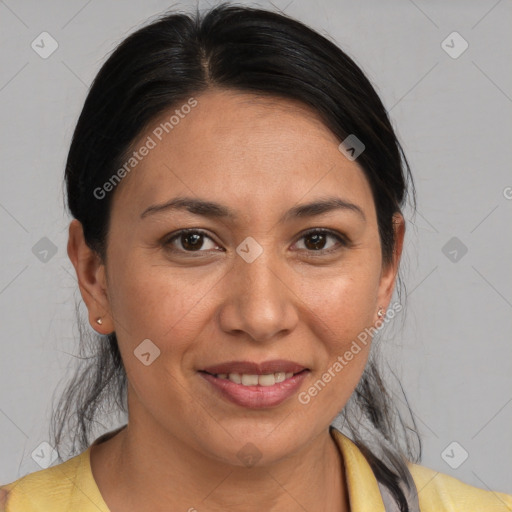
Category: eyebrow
[215,210]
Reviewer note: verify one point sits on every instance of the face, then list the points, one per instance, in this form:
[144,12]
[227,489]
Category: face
[256,278]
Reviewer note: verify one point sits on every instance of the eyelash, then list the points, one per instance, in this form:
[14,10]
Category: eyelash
[344,241]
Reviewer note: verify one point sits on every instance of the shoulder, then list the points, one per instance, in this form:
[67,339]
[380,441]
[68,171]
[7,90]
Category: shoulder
[46,490]
[440,492]
[61,488]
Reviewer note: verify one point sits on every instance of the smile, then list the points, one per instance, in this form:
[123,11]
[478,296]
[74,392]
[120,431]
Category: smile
[255,391]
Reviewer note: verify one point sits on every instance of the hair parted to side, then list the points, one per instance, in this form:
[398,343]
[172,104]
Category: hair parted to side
[159,67]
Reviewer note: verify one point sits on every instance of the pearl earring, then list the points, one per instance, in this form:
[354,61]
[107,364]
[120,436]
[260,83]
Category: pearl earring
[380,313]
[99,321]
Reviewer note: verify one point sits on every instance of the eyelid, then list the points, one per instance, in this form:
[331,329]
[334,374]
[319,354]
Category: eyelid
[334,233]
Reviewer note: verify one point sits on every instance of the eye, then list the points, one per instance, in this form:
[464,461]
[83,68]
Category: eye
[190,240]
[316,240]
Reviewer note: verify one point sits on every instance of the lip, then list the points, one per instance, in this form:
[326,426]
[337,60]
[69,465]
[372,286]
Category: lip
[252,368]
[256,397]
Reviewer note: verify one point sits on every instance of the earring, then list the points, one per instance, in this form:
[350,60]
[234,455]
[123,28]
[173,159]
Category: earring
[380,313]
[99,321]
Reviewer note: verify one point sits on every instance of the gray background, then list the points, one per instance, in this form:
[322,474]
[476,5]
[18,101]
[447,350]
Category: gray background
[453,116]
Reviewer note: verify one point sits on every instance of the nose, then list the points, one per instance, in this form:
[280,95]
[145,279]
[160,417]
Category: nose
[260,304]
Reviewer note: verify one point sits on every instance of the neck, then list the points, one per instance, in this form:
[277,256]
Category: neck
[155,471]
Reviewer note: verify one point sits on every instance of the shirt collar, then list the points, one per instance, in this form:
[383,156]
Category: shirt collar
[363,488]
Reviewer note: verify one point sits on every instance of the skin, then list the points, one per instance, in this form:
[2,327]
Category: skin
[3,499]
[260,157]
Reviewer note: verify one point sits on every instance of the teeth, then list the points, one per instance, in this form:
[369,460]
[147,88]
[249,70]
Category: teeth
[235,377]
[249,380]
[265,380]
[254,380]
[280,376]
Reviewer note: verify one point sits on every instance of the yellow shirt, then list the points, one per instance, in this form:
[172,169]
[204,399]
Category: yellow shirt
[70,487]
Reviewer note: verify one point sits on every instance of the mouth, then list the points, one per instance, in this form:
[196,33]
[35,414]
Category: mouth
[254,385]
[252,368]
[248,379]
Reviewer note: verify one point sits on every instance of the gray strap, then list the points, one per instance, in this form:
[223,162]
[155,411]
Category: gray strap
[391,505]
[389,502]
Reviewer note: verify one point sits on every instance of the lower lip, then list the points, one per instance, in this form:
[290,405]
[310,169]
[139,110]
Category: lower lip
[257,397]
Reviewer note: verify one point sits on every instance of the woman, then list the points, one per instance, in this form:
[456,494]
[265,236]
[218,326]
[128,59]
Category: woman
[237,189]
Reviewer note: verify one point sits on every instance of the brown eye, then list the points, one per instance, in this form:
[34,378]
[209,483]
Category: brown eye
[315,241]
[191,240]
[318,241]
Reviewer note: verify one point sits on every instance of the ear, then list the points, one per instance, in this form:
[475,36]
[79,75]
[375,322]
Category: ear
[90,272]
[389,274]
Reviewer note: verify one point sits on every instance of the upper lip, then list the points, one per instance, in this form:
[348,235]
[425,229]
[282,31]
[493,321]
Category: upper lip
[252,368]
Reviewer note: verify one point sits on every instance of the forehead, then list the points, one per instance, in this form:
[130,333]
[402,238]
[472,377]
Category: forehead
[246,149]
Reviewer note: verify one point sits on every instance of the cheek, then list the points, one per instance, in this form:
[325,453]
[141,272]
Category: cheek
[342,313]
[343,305]
[159,302]
[169,307]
